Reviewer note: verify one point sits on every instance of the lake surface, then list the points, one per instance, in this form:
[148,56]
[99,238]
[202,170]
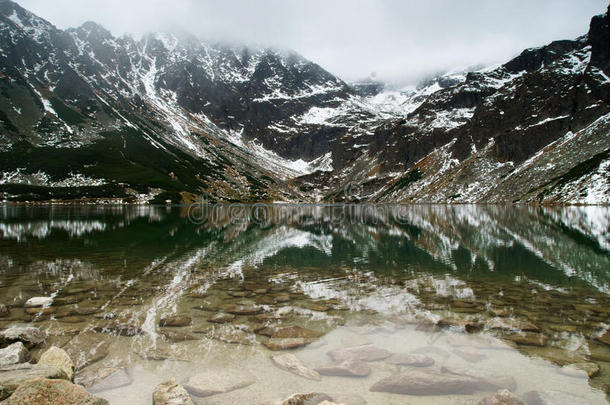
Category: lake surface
[508,296]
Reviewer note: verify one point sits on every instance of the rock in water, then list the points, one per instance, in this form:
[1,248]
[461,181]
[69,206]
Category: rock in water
[30,336]
[347,368]
[4,312]
[552,398]
[171,393]
[605,338]
[503,397]
[243,309]
[60,359]
[177,321]
[105,378]
[313,398]
[291,363]
[413,360]
[363,353]
[38,302]
[426,382]
[221,317]
[14,354]
[12,377]
[289,332]
[470,354]
[214,382]
[286,344]
[52,392]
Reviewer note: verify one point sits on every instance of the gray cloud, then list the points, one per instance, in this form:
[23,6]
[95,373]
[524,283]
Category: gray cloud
[399,40]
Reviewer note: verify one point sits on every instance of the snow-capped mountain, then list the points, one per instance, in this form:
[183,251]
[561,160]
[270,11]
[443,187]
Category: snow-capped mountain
[87,114]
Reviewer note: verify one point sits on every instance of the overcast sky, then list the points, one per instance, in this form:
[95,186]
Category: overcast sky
[399,40]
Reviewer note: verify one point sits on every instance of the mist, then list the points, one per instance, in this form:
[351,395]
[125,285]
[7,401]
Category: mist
[395,41]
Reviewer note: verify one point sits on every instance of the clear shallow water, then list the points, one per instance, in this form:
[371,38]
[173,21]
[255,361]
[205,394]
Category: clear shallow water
[457,282]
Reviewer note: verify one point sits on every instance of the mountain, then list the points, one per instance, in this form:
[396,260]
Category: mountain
[84,114]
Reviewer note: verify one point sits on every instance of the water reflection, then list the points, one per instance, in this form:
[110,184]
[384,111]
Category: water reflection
[532,282]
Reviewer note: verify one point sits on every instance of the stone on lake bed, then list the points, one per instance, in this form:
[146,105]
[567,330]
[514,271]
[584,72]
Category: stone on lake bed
[120,329]
[470,354]
[605,337]
[347,368]
[363,353]
[583,369]
[511,324]
[289,332]
[107,378]
[285,343]
[86,349]
[214,382]
[502,397]
[40,311]
[30,336]
[14,354]
[221,317]
[426,382]
[176,321]
[171,393]
[243,309]
[52,392]
[527,339]
[313,398]
[57,357]
[552,398]
[291,363]
[38,302]
[413,360]
[176,336]
[4,312]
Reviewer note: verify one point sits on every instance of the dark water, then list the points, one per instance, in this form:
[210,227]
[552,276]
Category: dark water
[523,290]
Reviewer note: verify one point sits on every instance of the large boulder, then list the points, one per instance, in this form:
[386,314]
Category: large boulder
[30,336]
[12,377]
[60,359]
[42,391]
[14,354]
[171,393]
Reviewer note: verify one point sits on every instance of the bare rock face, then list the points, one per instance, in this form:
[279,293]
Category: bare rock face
[60,359]
[14,354]
[347,368]
[291,363]
[171,393]
[426,382]
[177,321]
[503,397]
[363,353]
[214,382]
[52,392]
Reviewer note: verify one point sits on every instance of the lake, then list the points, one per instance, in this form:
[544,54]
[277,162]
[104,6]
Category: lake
[364,299]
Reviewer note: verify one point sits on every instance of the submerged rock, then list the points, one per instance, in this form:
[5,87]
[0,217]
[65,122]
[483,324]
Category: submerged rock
[120,329]
[583,369]
[470,354]
[426,382]
[243,309]
[176,336]
[52,392]
[291,363]
[108,378]
[221,317]
[347,368]
[30,336]
[552,398]
[171,393]
[363,353]
[14,354]
[511,324]
[313,398]
[413,360]
[289,332]
[528,339]
[60,359]
[502,397]
[4,312]
[12,377]
[86,349]
[38,302]
[286,344]
[176,321]
[605,338]
[214,382]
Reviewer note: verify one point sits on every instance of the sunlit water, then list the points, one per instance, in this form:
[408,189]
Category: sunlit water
[457,283]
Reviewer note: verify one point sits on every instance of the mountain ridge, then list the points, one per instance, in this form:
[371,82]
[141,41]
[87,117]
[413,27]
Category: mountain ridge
[83,113]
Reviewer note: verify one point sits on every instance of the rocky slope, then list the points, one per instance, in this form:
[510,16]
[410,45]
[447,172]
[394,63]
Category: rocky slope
[87,114]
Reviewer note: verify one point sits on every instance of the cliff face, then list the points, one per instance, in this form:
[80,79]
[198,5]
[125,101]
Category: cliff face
[83,113]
